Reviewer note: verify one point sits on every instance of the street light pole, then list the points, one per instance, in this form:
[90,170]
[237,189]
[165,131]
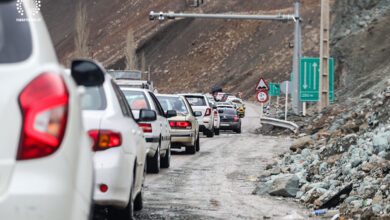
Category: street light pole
[324,56]
[296,104]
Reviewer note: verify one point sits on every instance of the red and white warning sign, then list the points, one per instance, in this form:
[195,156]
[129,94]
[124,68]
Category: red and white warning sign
[262,85]
[262,97]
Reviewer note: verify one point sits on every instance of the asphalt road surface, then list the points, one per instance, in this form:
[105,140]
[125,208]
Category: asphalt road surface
[218,181]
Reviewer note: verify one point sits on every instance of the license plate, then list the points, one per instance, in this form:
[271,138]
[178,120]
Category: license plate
[224,124]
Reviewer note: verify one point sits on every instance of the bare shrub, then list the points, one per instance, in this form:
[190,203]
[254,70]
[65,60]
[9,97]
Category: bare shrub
[82,32]
[130,51]
[143,64]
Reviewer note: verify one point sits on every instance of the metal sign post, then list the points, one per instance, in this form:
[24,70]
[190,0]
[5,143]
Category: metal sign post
[286,105]
[297,105]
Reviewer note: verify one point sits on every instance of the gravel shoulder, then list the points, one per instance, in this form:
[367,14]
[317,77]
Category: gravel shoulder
[217,182]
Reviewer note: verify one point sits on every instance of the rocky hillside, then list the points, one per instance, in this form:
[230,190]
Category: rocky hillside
[189,54]
[341,158]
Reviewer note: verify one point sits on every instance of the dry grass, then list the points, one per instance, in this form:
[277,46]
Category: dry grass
[82,32]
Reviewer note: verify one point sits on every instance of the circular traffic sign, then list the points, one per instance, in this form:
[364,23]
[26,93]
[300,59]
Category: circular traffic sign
[262,97]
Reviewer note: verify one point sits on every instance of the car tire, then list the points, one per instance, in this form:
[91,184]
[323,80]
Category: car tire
[166,160]
[197,144]
[191,149]
[210,133]
[216,131]
[138,202]
[238,130]
[154,162]
[125,213]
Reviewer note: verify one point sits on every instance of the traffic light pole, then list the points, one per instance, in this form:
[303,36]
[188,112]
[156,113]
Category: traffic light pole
[297,106]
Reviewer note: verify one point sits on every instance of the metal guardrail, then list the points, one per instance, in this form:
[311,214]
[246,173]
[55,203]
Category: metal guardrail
[280,123]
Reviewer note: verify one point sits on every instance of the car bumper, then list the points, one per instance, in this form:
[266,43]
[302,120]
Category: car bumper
[43,194]
[205,123]
[151,145]
[229,125]
[182,137]
[113,168]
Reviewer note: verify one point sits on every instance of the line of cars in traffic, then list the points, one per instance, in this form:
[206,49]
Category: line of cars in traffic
[79,138]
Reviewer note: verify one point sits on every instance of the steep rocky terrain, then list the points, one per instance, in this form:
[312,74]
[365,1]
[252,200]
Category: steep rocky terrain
[341,159]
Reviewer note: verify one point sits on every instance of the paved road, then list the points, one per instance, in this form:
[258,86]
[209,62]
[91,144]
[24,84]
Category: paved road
[216,182]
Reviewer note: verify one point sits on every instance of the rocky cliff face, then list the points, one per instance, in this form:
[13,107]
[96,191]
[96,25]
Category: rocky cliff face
[360,44]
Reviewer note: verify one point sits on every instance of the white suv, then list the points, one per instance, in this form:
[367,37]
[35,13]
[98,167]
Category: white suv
[46,169]
[157,133]
[200,102]
[119,147]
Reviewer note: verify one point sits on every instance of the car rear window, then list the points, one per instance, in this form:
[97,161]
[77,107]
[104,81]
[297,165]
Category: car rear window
[196,100]
[94,99]
[172,103]
[229,111]
[136,99]
[15,36]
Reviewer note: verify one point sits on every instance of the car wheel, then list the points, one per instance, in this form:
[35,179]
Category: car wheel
[197,144]
[191,149]
[216,131]
[126,213]
[238,130]
[138,202]
[154,162]
[210,133]
[166,160]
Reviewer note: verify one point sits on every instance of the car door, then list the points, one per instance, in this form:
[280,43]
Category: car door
[138,143]
[165,128]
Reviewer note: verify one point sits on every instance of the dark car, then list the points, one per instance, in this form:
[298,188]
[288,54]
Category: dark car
[229,120]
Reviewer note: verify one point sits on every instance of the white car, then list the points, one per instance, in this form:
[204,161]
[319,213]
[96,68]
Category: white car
[157,133]
[217,121]
[119,148]
[46,168]
[199,102]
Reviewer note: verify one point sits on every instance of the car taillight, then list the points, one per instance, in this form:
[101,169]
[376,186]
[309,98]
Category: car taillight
[183,124]
[180,124]
[215,112]
[105,139]
[146,128]
[208,112]
[44,105]
[236,118]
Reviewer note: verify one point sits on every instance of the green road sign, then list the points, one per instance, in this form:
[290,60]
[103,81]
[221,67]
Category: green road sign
[274,89]
[310,79]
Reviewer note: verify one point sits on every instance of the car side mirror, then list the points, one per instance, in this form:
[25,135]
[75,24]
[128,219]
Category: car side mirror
[171,113]
[198,113]
[87,73]
[147,115]
[220,111]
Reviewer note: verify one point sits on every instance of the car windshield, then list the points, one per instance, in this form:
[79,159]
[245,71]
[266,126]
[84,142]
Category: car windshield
[15,36]
[136,99]
[172,103]
[196,100]
[94,99]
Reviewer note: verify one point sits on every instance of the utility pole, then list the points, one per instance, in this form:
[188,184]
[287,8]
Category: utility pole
[296,104]
[324,56]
